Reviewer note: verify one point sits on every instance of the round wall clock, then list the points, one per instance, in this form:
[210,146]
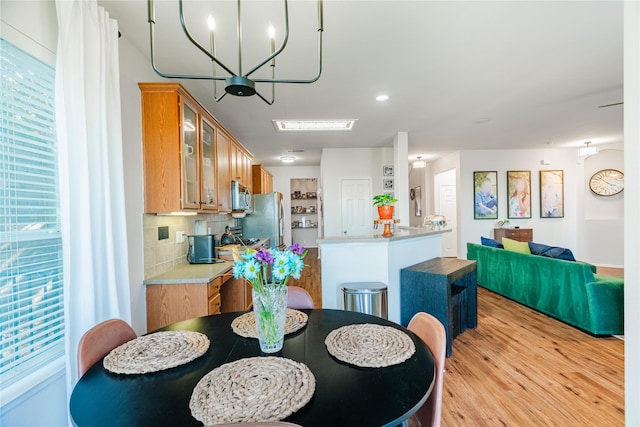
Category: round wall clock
[607,182]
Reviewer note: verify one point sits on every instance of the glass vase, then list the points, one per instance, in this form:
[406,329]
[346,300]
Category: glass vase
[270,311]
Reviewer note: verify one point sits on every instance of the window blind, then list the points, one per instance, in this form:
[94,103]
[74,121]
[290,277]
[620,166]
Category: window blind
[31,287]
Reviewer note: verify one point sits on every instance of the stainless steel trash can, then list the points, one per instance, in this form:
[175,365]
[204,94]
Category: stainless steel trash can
[366,297]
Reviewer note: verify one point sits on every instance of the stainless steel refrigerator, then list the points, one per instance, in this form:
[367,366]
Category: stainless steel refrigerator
[266,220]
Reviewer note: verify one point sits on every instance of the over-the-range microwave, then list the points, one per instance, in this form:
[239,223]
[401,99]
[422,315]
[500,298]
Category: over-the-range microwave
[240,197]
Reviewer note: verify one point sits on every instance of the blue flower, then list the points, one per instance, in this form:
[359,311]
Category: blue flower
[238,269]
[296,267]
[280,259]
[281,272]
[249,254]
[251,270]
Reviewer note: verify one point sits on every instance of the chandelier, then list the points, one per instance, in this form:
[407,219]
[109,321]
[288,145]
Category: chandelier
[238,82]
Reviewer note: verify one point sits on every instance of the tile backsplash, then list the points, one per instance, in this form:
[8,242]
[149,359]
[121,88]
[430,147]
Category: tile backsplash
[161,256]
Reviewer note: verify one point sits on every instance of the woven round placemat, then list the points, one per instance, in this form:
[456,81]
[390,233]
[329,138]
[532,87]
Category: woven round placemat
[253,389]
[370,346]
[156,352]
[245,325]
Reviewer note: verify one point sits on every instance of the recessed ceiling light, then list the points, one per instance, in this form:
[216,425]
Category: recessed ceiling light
[313,125]
[287,159]
[381,98]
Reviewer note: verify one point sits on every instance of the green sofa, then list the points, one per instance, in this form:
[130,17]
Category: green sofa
[566,290]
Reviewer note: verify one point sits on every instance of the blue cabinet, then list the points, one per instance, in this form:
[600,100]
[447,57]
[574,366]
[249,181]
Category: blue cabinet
[445,288]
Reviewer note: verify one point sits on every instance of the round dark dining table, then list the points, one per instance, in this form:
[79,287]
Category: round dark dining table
[345,395]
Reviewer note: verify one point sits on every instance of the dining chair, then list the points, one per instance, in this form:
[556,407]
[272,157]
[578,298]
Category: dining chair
[259,424]
[299,298]
[431,331]
[98,341]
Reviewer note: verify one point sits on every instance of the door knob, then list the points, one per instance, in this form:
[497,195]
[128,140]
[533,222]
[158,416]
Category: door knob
[345,231]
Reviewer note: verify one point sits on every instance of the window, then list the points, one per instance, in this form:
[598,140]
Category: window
[31,288]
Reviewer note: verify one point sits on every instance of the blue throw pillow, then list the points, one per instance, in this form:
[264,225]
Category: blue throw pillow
[491,243]
[551,251]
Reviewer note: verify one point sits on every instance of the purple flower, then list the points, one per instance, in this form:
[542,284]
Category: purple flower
[264,256]
[297,249]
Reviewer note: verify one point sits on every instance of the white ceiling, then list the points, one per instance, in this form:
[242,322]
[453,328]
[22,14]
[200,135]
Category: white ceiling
[538,70]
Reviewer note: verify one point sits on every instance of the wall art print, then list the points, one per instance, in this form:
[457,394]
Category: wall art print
[485,189]
[519,192]
[552,194]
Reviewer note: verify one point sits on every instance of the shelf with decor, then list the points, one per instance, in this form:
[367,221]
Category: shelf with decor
[304,211]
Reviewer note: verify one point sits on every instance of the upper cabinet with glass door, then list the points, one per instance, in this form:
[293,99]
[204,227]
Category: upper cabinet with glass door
[190,158]
[209,190]
[187,165]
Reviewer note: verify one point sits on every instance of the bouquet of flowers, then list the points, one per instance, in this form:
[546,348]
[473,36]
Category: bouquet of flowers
[270,266]
[268,271]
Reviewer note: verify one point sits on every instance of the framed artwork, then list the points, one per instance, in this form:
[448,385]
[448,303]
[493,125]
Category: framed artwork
[552,194]
[387,170]
[387,184]
[391,193]
[519,192]
[485,190]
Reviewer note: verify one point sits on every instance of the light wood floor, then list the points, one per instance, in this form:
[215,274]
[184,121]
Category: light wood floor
[611,271]
[523,368]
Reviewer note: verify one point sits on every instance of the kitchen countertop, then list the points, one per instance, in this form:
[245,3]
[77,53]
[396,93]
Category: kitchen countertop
[191,273]
[400,234]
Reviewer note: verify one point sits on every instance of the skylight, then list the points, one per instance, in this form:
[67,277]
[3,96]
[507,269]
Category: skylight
[313,125]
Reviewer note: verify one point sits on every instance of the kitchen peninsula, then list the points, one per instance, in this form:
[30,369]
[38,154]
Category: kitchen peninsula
[374,258]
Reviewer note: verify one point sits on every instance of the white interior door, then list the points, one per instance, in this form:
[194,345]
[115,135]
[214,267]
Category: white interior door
[356,207]
[446,205]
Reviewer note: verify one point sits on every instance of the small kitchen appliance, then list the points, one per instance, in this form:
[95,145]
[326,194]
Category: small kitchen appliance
[240,197]
[202,249]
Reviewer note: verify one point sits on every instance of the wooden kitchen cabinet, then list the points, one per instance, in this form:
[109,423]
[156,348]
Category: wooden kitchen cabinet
[241,165]
[247,171]
[209,189]
[262,180]
[224,172]
[236,295]
[189,159]
[178,147]
[167,304]
[519,234]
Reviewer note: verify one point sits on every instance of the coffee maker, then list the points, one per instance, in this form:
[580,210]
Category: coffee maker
[202,249]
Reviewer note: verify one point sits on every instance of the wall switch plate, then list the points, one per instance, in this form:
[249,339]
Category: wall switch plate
[163,232]
[180,236]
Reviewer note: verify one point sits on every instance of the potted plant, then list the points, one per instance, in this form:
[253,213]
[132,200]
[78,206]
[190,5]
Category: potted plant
[384,203]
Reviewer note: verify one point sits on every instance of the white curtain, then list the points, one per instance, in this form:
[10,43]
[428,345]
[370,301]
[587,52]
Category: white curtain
[90,172]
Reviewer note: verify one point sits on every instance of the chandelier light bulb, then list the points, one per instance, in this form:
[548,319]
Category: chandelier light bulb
[272,32]
[211,23]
